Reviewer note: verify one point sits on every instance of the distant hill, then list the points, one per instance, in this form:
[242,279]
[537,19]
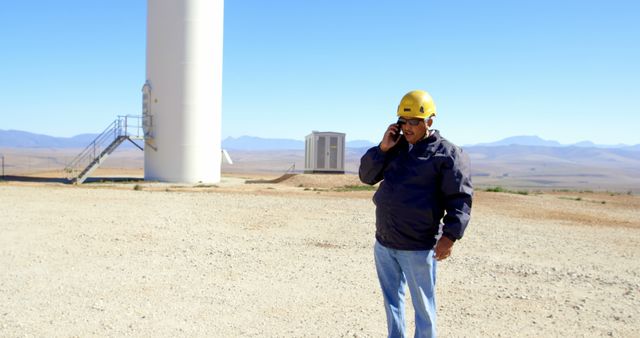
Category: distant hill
[602,157]
[360,144]
[258,143]
[532,140]
[569,167]
[23,139]
[522,140]
[589,144]
[633,148]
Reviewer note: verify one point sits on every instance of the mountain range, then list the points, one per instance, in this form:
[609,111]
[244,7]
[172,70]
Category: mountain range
[23,139]
[527,162]
[532,140]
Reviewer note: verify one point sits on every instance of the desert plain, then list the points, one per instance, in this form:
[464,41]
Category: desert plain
[249,258]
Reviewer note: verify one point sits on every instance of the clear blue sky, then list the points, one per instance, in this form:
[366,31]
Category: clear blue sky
[563,70]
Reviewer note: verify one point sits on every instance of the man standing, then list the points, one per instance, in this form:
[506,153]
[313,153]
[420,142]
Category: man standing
[423,206]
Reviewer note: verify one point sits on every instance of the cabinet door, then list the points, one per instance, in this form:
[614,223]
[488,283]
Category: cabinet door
[307,153]
[321,153]
[333,152]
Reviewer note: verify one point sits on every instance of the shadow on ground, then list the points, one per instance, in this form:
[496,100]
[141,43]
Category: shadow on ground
[36,179]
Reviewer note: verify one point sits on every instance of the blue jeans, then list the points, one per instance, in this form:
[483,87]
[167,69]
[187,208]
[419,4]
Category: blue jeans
[396,269]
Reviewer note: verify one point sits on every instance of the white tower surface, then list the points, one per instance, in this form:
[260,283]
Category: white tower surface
[182,98]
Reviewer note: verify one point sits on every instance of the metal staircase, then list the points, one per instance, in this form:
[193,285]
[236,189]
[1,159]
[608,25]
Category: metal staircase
[123,128]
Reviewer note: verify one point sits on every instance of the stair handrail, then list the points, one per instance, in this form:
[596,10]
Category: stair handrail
[118,128]
[127,126]
[90,152]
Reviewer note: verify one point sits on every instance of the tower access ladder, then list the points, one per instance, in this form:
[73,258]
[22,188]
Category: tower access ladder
[123,128]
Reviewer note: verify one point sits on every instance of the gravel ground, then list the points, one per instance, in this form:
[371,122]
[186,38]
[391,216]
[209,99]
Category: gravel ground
[277,260]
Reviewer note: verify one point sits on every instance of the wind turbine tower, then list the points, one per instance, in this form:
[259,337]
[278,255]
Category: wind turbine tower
[182,95]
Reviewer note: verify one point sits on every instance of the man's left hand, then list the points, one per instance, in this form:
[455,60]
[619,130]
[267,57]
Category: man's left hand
[443,248]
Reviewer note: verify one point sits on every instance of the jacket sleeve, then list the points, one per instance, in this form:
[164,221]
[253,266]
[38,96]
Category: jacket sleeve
[457,191]
[372,166]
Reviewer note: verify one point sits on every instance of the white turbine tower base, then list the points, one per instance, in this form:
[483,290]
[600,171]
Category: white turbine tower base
[182,96]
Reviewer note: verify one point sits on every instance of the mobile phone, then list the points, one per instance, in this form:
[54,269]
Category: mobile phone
[400,122]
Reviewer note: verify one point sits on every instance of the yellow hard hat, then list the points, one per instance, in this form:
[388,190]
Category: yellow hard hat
[417,104]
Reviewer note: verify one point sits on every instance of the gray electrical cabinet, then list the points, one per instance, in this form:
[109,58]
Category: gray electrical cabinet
[324,152]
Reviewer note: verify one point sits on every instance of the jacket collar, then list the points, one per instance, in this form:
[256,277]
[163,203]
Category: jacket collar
[432,135]
[430,139]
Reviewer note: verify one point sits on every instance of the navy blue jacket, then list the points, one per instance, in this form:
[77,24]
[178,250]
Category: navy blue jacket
[420,189]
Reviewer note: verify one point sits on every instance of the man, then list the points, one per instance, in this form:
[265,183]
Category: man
[423,206]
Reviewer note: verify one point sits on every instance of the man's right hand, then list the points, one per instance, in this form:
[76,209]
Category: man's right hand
[388,141]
